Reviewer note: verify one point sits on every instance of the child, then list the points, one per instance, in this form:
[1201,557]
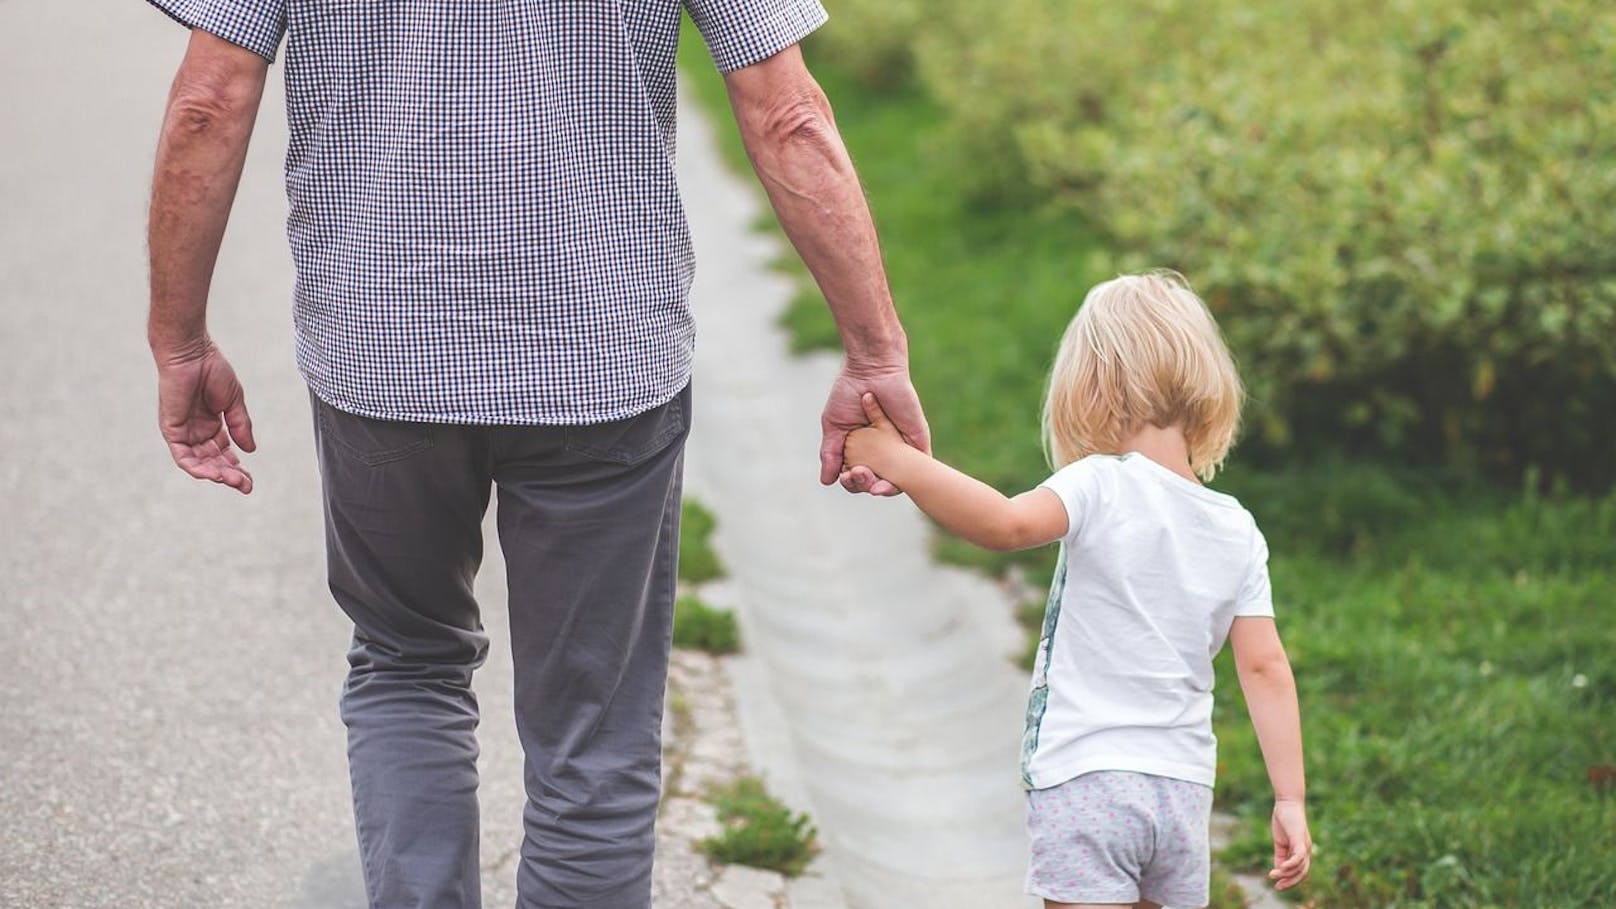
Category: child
[1155,572]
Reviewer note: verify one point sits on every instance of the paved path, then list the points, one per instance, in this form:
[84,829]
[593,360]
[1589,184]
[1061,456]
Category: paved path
[877,688]
[170,659]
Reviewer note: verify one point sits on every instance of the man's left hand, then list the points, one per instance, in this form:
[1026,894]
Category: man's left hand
[844,412]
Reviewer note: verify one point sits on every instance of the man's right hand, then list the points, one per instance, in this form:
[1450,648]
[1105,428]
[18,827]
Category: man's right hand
[200,154]
[201,409]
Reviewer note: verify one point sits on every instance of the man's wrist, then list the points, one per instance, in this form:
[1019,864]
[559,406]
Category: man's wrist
[879,355]
[168,349]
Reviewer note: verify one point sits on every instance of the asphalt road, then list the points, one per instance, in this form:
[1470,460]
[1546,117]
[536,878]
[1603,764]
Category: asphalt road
[169,657]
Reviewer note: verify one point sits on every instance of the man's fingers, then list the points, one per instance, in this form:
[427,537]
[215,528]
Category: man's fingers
[830,454]
[911,422]
[240,424]
[209,462]
[860,479]
[919,436]
[235,478]
[241,481]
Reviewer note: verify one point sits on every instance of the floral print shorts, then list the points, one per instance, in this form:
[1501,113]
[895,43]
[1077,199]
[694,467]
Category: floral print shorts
[1120,837]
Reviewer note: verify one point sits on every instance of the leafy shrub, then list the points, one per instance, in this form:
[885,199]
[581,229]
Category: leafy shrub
[701,627]
[1403,212]
[698,562]
[760,831]
[873,41]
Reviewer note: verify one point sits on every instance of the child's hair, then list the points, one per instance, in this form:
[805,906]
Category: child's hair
[1143,349]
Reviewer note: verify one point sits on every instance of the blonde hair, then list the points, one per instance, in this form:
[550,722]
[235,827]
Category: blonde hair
[1142,349]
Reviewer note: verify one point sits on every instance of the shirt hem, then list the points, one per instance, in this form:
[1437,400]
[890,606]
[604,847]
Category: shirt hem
[1065,772]
[613,415]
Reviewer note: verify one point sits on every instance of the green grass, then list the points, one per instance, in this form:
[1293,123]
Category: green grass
[698,562]
[1454,644]
[1455,668]
[760,831]
[701,627]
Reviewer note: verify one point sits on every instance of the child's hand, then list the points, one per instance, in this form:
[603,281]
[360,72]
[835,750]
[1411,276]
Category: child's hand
[1293,845]
[874,445]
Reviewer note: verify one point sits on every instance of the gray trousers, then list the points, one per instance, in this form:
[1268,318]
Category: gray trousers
[589,523]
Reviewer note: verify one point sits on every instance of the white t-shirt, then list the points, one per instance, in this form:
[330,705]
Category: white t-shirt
[1153,571]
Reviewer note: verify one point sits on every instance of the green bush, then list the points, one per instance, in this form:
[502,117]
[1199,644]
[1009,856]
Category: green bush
[1404,213]
[701,627]
[698,561]
[874,41]
[760,831]
[1438,627]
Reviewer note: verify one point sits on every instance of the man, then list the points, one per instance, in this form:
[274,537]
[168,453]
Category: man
[492,272]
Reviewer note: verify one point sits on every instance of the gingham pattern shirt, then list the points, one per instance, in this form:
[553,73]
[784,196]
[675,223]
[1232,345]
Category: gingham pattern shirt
[483,209]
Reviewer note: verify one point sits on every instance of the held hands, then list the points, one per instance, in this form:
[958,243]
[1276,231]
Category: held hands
[845,412]
[1293,845]
[875,446]
[201,409]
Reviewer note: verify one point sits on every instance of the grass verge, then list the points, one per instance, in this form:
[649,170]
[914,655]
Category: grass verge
[760,831]
[698,561]
[701,627]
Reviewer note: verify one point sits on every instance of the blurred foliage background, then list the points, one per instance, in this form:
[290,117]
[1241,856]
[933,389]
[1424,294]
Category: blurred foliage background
[1403,213]
[1403,210]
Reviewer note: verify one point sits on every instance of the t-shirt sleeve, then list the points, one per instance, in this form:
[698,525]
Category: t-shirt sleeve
[1077,484]
[740,33]
[256,25]
[1256,595]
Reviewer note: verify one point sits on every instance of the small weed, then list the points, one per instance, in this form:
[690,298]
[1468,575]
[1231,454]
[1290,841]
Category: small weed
[701,627]
[760,831]
[697,560]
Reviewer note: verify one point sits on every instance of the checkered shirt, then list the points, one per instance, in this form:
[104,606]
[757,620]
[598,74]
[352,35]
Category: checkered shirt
[483,209]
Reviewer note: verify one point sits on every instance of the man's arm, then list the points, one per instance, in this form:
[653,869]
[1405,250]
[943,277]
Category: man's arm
[791,138]
[209,121]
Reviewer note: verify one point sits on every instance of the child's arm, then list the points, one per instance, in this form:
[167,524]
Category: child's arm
[965,505]
[1265,677]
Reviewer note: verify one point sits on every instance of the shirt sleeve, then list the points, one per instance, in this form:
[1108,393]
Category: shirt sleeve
[1256,595]
[740,33]
[256,25]
[1077,484]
